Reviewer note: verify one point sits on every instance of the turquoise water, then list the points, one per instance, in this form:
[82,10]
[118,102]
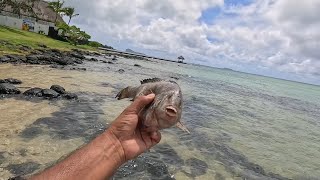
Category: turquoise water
[242,126]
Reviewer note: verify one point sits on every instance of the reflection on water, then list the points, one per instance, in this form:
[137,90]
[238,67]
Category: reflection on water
[243,126]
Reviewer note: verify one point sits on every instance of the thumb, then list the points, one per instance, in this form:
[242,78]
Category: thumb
[140,102]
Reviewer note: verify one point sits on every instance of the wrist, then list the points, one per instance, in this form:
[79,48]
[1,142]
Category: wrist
[117,149]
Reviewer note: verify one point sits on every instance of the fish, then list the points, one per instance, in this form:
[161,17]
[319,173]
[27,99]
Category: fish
[166,109]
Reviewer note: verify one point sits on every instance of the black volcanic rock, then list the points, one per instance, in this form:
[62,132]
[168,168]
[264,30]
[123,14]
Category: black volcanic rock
[6,88]
[70,96]
[121,71]
[77,55]
[49,93]
[4,59]
[33,92]
[58,89]
[13,81]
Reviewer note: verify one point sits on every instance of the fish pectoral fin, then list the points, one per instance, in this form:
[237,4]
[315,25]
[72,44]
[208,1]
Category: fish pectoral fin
[182,127]
[156,102]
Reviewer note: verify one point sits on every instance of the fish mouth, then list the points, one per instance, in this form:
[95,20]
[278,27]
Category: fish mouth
[171,111]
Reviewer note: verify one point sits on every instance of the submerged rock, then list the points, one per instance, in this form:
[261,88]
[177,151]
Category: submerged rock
[79,69]
[176,78]
[49,93]
[58,89]
[197,167]
[70,96]
[121,71]
[33,92]
[6,88]
[23,168]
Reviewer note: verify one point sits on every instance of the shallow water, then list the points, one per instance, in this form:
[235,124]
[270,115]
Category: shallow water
[243,126]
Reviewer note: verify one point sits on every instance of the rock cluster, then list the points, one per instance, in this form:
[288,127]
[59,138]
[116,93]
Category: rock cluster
[46,56]
[56,91]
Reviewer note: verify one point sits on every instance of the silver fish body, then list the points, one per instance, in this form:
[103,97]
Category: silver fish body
[166,109]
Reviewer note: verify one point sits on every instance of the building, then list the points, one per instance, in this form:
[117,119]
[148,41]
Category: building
[42,22]
[180,59]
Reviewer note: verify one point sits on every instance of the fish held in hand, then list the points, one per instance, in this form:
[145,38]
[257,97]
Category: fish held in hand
[166,109]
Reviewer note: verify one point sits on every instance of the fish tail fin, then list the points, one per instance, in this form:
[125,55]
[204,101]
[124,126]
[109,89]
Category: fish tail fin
[182,127]
[128,92]
[124,93]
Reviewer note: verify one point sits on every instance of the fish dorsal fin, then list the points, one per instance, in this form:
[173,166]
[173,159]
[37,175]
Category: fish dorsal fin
[145,81]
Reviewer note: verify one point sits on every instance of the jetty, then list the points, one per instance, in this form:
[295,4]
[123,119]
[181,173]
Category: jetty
[133,55]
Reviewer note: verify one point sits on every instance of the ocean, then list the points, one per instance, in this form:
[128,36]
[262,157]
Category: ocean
[242,126]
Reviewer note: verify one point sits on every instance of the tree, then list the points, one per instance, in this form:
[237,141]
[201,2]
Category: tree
[70,12]
[57,7]
[73,34]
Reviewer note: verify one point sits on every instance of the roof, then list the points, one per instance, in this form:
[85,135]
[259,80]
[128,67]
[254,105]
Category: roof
[181,57]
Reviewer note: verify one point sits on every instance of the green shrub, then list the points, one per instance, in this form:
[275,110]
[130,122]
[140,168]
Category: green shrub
[95,44]
[73,34]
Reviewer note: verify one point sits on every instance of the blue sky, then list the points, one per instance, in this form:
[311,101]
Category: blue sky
[267,37]
[209,15]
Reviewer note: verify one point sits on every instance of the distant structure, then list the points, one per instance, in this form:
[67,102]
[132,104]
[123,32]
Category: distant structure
[180,59]
[133,52]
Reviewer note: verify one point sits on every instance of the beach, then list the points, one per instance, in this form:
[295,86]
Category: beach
[242,125]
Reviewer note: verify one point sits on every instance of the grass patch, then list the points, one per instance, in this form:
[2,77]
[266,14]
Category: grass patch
[16,38]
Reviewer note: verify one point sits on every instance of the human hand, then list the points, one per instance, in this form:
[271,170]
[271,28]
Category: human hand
[126,131]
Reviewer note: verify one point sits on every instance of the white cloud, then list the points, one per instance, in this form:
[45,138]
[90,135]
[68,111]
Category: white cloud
[281,34]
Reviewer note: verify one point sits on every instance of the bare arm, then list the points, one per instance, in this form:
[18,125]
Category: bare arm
[98,159]
[105,154]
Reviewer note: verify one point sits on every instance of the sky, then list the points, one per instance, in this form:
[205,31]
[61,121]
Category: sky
[278,38]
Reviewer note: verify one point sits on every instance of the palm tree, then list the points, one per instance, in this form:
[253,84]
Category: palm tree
[69,11]
[57,7]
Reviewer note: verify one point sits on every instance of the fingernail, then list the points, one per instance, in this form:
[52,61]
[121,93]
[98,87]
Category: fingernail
[151,95]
